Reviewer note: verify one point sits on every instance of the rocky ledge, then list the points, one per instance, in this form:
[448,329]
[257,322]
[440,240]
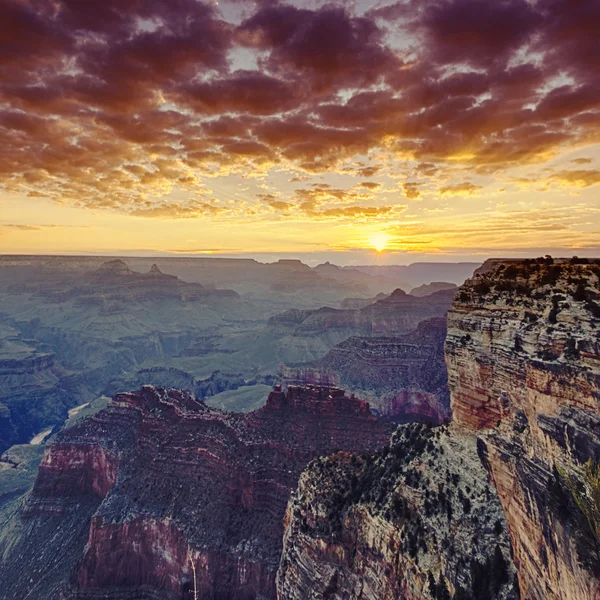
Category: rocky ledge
[127,502]
[523,355]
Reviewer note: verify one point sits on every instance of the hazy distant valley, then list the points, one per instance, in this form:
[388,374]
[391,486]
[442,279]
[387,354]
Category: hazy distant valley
[73,329]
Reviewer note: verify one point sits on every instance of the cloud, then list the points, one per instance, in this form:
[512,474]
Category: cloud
[370,185]
[518,229]
[581,178]
[482,34]
[116,105]
[411,190]
[179,210]
[7,227]
[328,47]
[466,188]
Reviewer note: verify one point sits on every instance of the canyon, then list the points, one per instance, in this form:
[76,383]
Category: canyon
[397,314]
[402,377]
[97,327]
[137,489]
[482,508]
[315,494]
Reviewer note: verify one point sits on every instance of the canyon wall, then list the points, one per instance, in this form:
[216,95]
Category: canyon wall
[397,314]
[402,377]
[126,501]
[523,355]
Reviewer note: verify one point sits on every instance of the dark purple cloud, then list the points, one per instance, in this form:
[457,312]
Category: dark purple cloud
[477,32]
[329,46]
[107,102]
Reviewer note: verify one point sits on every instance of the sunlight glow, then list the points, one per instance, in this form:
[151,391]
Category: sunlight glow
[379,241]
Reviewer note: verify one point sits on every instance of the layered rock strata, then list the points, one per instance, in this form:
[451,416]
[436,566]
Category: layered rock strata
[157,482]
[523,355]
[397,314]
[403,377]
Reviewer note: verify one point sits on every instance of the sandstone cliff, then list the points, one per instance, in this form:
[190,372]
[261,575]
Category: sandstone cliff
[123,499]
[523,355]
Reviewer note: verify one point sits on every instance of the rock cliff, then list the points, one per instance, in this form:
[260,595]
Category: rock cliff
[126,501]
[523,355]
[34,389]
[417,521]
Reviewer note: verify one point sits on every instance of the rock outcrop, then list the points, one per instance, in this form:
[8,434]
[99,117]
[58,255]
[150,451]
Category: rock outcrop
[403,377]
[129,499]
[523,355]
[418,520]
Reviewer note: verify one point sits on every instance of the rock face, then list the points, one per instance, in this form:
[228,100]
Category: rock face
[127,500]
[34,389]
[403,377]
[417,521]
[523,355]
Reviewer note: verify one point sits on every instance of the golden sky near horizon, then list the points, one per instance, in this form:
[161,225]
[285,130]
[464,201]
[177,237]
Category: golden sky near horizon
[364,131]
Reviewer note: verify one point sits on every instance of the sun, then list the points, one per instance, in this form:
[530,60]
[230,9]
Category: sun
[379,241]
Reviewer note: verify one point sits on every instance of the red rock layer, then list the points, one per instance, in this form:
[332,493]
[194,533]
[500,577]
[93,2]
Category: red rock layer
[165,478]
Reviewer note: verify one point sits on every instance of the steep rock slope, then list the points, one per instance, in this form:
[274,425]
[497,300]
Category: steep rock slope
[523,354]
[126,501]
[35,390]
[417,521]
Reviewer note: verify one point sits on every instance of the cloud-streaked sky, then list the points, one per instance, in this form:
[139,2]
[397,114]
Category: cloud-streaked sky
[438,128]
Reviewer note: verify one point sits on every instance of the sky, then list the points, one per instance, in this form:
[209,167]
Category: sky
[359,132]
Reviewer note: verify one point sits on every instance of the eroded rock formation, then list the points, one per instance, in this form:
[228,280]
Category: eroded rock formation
[396,314]
[417,521]
[403,377]
[136,490]
[523,354]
